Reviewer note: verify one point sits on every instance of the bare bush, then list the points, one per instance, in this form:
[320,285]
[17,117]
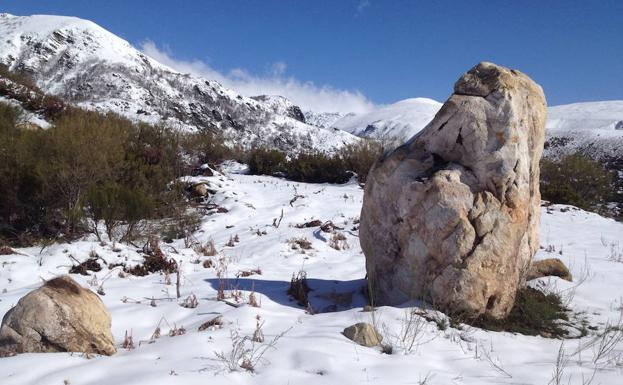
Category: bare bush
[258,334]
[411,333]
[208,249]
[190,302]
[615,252]
[245,353]
[302,243]
[128,341]
[338,241]
[299,289]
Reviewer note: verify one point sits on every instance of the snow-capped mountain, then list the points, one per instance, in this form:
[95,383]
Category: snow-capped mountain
[324,119]
[281,106]
[86,65]
[607,115]
[593,128]
[398,121]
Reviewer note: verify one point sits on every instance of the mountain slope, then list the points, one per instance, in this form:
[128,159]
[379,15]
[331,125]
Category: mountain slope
[607,115]
[400,120]
[593,128]
[91,67]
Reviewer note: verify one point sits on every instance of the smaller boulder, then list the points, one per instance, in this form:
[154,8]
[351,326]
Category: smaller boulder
[202,189]
[60,316]
[549,267]
[363,334]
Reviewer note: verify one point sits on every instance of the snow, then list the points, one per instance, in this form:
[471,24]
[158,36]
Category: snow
[87,40]
[400,120]
[91,67]
[312,350]
[27,116]
[594,128]
[587,116]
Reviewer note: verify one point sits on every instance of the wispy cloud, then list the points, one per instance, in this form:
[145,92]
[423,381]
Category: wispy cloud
[362,5]
[307,95]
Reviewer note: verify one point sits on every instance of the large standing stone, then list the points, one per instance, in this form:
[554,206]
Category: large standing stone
[452,216]
[60,316]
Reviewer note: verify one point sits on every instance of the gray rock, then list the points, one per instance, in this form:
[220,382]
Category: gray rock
[364,334]
[60,316]
[452,216]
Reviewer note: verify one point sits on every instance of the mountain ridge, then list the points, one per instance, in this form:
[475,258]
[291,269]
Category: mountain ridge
[91,67]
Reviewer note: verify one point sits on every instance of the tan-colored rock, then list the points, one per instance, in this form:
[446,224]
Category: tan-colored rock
[363,334]
[201,189]
[60,316]
[548,268]
[452,216]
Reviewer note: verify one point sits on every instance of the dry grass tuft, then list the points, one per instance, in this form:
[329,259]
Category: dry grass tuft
[338,241]
[299,289]
[302,243]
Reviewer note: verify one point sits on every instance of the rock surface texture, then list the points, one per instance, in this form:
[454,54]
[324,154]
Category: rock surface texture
[60,316]
[363,334]
[548,268]
[452,216]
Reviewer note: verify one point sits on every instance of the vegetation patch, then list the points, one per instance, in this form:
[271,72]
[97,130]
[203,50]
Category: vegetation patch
[316,167]
[580,181]
[534,313]
[83,268]
[5,250]
[153,264]
[299,289]
[154,261]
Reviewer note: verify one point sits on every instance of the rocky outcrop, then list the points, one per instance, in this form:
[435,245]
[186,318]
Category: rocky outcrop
[452,216]
[363,334]
[60,316]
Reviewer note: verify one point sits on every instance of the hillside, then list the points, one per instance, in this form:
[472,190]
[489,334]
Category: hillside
[593,128]
[86,65]
[398,121]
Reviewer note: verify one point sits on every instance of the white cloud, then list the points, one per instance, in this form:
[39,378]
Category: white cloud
[363,4]
[307,95]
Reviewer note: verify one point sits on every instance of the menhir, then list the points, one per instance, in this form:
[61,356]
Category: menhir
[452,216]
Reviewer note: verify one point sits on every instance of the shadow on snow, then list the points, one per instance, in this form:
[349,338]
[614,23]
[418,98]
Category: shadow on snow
[325,295]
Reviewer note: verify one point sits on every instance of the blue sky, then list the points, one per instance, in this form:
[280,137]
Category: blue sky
[371,51]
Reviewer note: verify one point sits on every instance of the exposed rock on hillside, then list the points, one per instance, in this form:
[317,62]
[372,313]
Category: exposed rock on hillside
[452,216]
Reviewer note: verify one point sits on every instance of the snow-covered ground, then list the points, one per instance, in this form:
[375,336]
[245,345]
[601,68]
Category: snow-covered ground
[312,350]
[27,116]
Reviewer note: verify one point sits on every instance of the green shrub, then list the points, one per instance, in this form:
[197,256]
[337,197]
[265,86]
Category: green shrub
[206,147]
[115,204]
[87,165]
[359,158]
[263,161]
[534,313]
[577,180]
[316,167]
